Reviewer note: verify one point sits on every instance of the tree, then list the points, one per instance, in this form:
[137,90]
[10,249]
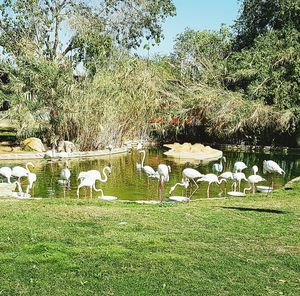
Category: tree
[259,17]
[201,54]
[132,20]
[38,28]
[269,71]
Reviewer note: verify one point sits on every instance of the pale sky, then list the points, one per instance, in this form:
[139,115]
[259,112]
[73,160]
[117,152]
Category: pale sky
[198,15]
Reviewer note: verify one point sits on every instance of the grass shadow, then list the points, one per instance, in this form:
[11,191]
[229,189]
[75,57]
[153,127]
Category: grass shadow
[255,210]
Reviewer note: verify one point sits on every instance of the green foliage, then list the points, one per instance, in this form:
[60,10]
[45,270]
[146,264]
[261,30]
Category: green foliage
[225,116]
[112,107]
[269,71]
[133,21]
[37,28]
[201,55]
[41,88]
[260,17]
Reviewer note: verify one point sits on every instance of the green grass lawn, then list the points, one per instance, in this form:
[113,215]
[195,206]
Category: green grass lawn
[240,246]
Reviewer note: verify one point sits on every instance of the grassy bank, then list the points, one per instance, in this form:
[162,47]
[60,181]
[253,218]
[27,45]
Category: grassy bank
[247,246]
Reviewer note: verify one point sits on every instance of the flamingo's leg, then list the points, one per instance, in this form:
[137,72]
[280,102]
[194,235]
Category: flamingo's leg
[270,184]
[197,187]
[207,191]
[161,188]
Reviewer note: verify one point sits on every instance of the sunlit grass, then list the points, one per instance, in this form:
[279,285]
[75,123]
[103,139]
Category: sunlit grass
[236,246]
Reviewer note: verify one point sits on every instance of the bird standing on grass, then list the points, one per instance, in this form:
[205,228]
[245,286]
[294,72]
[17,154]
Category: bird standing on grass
[271,167]
[210,178]
[253,179]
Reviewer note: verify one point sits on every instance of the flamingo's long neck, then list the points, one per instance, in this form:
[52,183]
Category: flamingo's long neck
[143,159]
[220,181]
[27,166]
[177,184]
[97,189]
[105,176]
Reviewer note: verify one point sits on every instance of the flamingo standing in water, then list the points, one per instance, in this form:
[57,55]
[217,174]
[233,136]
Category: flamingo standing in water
[210,178]
[90,182]
[6,172]
[239,166]
[95,174]
[31,179]
[65,173]
[184,183]
[226,176]
[188,174]
[20,172]
[146,168]
[163,171]
[237,178]
[218,167]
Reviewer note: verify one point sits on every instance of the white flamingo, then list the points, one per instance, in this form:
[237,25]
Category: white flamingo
[210,178]
[163,171]
[96,174]
[226,176]
[184,183]
[189,174]
[6,172]
[239,166]
[31,179]
[20,172]
[147,168]
[253,179]
[272,168]
[218,167]
[65,173]
[88,181]
[237,178]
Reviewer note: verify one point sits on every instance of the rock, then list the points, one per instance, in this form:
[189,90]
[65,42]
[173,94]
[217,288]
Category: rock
[66,146]
[34,144]
[197,152]
[290,185]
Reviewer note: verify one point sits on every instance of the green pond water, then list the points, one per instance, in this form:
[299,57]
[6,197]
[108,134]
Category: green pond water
[127,183]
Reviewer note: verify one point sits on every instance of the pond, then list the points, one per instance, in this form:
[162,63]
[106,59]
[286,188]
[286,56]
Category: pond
[127,183]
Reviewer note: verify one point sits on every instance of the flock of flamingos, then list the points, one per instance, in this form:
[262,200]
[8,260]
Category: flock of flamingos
[190,177]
